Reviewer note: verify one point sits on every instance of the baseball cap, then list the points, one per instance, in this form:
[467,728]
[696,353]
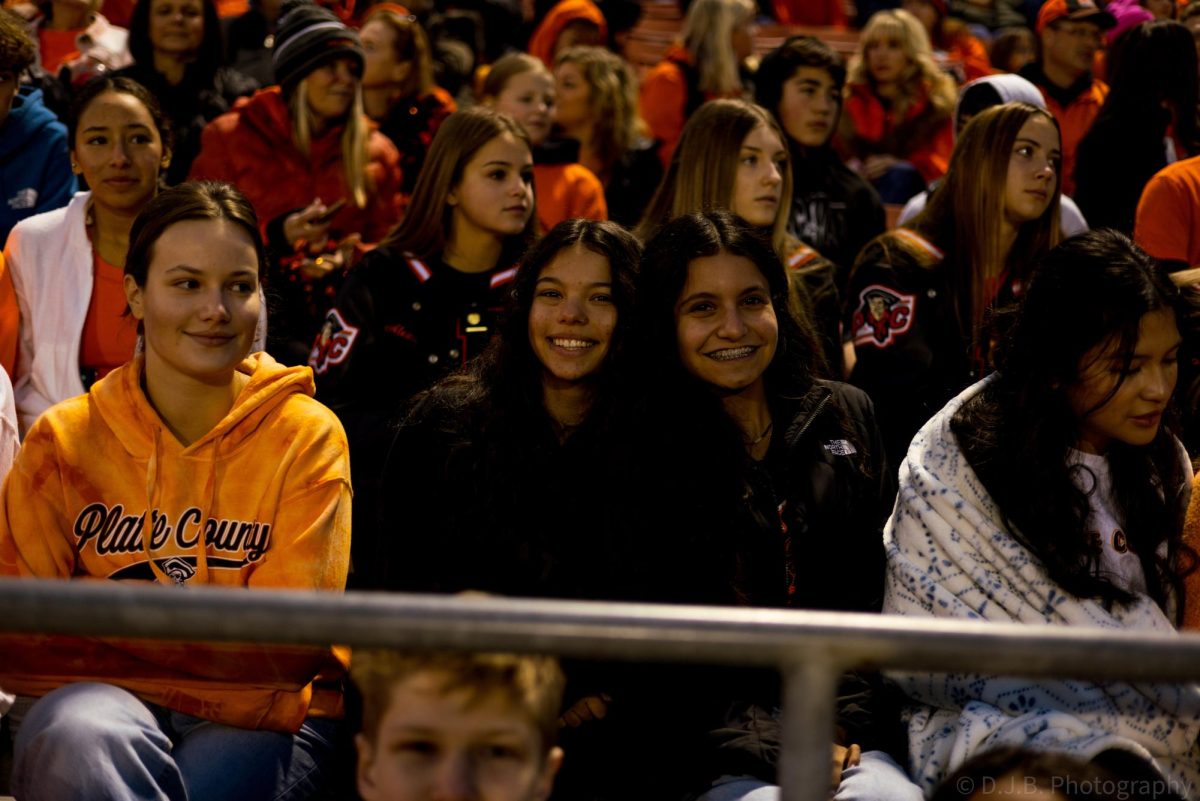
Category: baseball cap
[1054,10]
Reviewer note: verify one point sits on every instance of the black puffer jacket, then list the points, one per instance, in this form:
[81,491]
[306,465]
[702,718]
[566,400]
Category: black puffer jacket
[828,477]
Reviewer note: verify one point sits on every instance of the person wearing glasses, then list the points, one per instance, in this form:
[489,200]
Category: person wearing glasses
[1071,33]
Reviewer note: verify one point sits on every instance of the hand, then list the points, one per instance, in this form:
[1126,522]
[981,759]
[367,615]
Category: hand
[590,707]
[322,264]
[843,758]
[308,224]
[875,166]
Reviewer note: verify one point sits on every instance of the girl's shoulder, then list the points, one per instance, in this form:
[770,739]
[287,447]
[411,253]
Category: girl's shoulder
[902,251]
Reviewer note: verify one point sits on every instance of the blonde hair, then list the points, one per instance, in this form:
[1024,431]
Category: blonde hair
[411,45]
[614,99]
[922,72]
[964,213]
[354,139]
[532,684]
[707,33]
[702,175]
[426,226]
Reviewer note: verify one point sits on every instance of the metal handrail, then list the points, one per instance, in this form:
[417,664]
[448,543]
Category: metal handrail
[811,649]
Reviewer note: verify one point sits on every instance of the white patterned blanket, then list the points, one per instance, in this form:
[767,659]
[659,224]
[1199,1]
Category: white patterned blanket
[949,556]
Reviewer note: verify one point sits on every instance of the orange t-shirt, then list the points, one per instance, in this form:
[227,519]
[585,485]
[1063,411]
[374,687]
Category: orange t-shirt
[56,47]
[109,337]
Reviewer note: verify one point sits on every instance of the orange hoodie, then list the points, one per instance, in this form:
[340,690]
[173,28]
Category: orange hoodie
[545,37]
[101,489]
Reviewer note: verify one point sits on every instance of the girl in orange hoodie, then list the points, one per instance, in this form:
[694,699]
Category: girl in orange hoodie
[520,86]
[194,464]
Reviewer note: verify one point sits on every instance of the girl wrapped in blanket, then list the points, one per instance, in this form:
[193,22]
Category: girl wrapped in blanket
[1053,492]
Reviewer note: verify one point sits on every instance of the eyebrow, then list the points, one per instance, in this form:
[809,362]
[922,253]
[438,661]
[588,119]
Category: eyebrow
[551,279]
[107,127]
[184,268]
[748,290]
[808,81]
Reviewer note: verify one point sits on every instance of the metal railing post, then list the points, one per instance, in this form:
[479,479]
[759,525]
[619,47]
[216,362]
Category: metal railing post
[805,761]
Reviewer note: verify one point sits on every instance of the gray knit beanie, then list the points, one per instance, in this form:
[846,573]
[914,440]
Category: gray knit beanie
[308,36]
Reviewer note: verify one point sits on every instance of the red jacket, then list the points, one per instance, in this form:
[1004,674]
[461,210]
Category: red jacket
[251,147]
[923,137]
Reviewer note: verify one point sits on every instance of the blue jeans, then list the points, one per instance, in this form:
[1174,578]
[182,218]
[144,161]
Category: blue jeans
[101,743]
[877,777]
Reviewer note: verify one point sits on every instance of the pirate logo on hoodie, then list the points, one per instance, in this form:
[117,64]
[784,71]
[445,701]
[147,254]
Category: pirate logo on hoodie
[881,316]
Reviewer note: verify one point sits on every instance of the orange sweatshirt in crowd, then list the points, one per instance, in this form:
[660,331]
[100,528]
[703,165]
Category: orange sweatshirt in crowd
[1168,215]
[101,489]
[565,192]
[545,37]
[1074,121]
[968,51]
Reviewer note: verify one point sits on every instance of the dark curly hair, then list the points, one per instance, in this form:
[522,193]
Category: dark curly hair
[1018,432]
[17,50]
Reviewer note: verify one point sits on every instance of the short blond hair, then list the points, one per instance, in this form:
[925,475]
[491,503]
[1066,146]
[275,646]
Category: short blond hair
[533,684]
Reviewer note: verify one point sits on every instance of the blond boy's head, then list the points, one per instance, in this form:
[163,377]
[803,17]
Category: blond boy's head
[444,725]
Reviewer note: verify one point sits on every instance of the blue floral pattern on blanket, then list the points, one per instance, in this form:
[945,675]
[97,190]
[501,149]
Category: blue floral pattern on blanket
[949,556]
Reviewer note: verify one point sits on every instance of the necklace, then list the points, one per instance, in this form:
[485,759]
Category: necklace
[766,432]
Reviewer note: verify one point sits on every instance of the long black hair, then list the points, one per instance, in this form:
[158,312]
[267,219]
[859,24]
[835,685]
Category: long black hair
[1089,292]
[505,382]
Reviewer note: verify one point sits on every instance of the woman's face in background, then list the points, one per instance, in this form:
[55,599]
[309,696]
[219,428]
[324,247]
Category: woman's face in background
[574,97]
[119,150]
[758,189]
[886,59]
[176,26]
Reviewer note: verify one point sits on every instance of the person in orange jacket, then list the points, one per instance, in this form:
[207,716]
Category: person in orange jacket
[521,87]
[321,179]
[195,464]
[965,52]
[567,24]
[718,35]
[1071,32]
[897,123]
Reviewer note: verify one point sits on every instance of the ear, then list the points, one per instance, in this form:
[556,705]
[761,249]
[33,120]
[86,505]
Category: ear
[135,297]
[452,197]
[364,774]
[545,782]
[75,168]
[166,159]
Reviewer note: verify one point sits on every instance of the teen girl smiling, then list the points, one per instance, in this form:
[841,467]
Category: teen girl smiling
[66,264]
[171,444]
